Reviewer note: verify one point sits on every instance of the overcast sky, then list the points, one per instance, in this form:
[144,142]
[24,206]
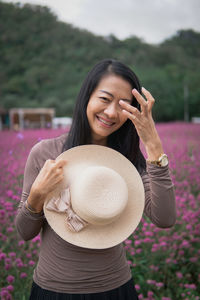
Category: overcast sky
[151,20]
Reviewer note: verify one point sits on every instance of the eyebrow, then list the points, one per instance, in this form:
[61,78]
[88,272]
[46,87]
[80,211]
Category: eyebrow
[113,96]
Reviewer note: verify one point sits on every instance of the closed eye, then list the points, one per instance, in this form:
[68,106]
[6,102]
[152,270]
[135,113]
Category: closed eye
[104,99]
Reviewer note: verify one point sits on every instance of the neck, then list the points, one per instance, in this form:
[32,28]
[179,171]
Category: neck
[101,142]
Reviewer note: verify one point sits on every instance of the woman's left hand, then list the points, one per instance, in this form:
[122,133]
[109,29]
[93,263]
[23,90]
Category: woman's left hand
[144,123]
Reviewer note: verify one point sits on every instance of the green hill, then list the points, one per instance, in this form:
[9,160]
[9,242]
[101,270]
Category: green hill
[43,62]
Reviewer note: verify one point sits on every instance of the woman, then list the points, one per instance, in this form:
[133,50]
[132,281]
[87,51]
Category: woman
[109,111]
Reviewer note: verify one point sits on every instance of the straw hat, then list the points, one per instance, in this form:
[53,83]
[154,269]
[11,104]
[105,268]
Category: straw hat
[101,200]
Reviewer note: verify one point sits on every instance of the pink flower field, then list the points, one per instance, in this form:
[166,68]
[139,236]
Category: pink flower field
[165,262]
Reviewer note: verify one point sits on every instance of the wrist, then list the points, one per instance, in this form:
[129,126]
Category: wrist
[33,209]
[35,202]
[154,150]
[154,154]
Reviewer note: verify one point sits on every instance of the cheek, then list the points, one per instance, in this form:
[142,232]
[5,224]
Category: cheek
[89,110]
[92,107]
[123,118]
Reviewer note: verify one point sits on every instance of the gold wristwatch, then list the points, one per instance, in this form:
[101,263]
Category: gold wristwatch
[161,162]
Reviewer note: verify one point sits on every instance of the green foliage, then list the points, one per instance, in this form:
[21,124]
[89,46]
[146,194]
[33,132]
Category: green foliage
[43,62]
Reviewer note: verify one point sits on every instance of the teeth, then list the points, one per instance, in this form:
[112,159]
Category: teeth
[105,122]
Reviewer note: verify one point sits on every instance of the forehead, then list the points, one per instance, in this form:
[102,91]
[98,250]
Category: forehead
[115,85]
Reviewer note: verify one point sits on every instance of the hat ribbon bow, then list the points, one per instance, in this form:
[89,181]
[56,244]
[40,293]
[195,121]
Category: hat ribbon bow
[63,204]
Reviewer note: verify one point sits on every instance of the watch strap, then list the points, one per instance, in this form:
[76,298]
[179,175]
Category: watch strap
[159,161]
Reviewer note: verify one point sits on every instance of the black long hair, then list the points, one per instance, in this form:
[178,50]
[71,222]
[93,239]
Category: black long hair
[125,139]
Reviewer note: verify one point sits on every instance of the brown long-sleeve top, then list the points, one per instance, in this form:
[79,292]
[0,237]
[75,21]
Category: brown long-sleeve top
[66,268]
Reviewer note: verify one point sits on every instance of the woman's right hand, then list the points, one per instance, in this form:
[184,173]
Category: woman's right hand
[48,179]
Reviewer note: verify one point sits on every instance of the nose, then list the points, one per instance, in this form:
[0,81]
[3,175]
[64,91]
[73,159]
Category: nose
[111,111]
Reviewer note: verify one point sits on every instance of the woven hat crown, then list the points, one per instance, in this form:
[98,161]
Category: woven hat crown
[99,195]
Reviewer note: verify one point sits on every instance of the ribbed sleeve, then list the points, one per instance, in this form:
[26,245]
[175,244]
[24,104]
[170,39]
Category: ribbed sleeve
[160,205]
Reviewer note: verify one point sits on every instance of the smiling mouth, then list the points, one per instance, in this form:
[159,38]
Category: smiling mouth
[108,124]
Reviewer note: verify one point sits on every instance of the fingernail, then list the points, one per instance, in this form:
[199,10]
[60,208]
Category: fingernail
[121,101]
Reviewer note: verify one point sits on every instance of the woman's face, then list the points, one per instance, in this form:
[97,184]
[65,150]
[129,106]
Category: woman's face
[104,112]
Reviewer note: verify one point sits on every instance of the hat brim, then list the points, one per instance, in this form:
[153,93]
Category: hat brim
[104,236]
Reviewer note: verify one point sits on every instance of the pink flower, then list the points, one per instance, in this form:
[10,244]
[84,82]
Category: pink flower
[23,275]
[4,294]
[12,254]
[149,233]
[31,263]
[134,265]
[8,267]
[154,268]
[179,275]
[163,244]
[36,239]
[10,279]
[189,226]
[193,286]
[159,284]
[10,229]
[138,242]
[155,248]
[190,286]
[150,293]
[149,281]
[139,250]
[2,256]
[20,243]
[7,260]
[9,193]
[20,265]
[193,259]
[2,213]
[137,287]
[10,288]
[185,244]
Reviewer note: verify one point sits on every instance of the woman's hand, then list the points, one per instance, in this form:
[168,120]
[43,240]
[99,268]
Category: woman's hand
[48,179]
[144,123]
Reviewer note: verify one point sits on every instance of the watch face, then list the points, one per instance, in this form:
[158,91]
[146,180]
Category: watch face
[164,161]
